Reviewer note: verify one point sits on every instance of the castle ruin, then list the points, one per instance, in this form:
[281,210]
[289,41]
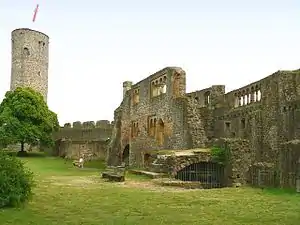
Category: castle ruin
[258,122]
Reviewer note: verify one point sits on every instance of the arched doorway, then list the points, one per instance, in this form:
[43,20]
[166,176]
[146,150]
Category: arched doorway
[125,155]
[147,160]
[160,132]
[210,174]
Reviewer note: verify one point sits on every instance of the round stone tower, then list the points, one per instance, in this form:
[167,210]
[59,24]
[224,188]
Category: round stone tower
[30,55]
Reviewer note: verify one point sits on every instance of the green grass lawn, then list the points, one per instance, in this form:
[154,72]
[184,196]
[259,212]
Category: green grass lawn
[66,195]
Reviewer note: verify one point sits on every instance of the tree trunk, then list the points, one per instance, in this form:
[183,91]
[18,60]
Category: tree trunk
[22,146]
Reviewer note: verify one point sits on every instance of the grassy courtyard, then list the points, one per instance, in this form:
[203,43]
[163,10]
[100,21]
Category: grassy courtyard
[66,195]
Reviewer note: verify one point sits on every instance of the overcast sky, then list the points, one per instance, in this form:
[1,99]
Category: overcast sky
[95,45]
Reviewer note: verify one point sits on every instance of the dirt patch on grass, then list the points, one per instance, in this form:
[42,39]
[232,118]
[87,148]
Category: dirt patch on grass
[97,182]
[150,185]
[79,181]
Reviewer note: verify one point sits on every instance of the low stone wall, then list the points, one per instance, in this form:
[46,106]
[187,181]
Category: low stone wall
[236,168]
[172,163]
[91,150]
[263,174]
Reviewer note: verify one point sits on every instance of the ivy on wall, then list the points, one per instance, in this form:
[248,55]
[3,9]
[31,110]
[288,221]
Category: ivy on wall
[219,154]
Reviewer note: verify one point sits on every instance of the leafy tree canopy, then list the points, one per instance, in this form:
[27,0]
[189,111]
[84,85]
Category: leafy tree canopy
[26,118]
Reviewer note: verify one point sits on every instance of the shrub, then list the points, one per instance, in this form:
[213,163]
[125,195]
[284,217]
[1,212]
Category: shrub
[219,154]
[16,181]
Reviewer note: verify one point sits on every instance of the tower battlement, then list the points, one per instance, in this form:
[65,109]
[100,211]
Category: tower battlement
[105,124]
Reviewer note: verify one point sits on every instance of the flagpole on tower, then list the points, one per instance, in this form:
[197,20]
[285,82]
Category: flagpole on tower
[35,13]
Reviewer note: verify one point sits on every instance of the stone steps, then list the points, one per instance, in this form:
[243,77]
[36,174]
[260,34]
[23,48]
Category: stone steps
[152,175]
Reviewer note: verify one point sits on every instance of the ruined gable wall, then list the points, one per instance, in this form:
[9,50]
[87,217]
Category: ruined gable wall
[167,110]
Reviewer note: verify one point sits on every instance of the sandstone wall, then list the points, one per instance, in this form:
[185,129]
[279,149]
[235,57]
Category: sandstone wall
[152,114]
[290,164]
[88,138]
[239,159]
[90,150]
[86,131]
[30,59]
[266,113]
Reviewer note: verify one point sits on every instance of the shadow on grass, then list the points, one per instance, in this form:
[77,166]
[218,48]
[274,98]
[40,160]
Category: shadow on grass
[27,154]
[133,176]
[280,191]
[95,164]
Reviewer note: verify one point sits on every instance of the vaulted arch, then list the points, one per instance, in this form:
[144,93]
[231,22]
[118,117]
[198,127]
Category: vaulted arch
[125,155]
[209,174]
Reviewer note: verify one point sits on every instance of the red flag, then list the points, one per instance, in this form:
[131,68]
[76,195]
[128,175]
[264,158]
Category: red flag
[35,12]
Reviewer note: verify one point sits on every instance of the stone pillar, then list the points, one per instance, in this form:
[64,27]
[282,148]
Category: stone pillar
[126,86]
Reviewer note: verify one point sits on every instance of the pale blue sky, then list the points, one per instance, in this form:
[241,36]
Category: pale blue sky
[95,45]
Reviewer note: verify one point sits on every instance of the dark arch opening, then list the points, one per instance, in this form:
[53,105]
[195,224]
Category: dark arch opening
[147,160]
[161,132]
[210,174]
[125,155]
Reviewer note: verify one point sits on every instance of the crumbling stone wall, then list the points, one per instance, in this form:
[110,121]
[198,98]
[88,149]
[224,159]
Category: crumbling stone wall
[265,113]
[290,164]
[114,150]
[89,130]
[172,163]
[263,174]
[156,120]
[30,60]
[176,163]
[90,150]
[196,127]
[205,103]
[238,161]
[88,137]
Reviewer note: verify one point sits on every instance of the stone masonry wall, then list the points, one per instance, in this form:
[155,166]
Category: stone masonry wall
[240,158]
[157,119]
[196,129]
[88,137]
[290,164]
[90,150]
[86,131]
[266,113]
[30,59]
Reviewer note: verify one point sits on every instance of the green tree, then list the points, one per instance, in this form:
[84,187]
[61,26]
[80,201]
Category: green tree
[26,118]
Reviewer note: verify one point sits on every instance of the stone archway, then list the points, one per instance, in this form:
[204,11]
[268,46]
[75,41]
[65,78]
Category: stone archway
[209,174]
[125,155]
[147,160]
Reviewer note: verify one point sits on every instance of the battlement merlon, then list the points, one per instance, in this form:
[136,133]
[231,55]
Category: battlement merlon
[105,124]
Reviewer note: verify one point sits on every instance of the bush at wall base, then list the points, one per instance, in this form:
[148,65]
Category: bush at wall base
[16,181]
